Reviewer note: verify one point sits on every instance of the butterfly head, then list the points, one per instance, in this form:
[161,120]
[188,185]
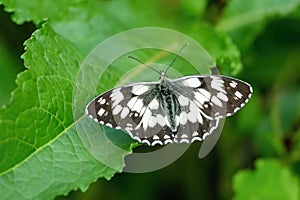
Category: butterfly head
[163,75]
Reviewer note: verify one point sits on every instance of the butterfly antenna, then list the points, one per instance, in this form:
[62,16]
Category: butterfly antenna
[174,59]
[134,58]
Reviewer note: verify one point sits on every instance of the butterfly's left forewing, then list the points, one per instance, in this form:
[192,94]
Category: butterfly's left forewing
[134,108]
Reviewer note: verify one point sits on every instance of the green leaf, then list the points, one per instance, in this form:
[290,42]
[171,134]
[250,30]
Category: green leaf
[193,8]
[37,11]
[98,20]
[243,20]
[40,143]
[269,180]
[142,14]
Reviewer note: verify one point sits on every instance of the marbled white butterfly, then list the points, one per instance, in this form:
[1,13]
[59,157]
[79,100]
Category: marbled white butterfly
[185,109]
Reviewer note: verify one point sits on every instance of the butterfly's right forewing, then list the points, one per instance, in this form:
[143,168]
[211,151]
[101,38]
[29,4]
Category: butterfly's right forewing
[215,96]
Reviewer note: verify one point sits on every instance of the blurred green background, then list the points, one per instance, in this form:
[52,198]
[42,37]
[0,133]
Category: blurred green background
[258,153]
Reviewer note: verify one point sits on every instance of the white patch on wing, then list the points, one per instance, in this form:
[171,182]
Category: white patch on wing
[218,84]
[238,94]
[200,119]
[222,96]
[195,139]
[192,117]
[177,120]
[117,109]
[129,125]
[166,137]
[102,101]
[137,138]
[146,141]
[152,121]
[160,120]
[101,112]
[233,84]
[139,89]
[155,137]
[157,142]
[205,93]
[200,98]
[116,97]
[216,101]
[124,112]
[194,114]
[154,104]
[217,80]
[184,141]
[109,125]
[183,118]
[167,141]
[131,102]
[184,136]
[142,111]
[197,103]
[235,110]
[192,82]
[183,100]
[138,105]
[205,135]
[145,119]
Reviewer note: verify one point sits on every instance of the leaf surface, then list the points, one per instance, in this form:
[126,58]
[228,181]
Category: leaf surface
[269,180]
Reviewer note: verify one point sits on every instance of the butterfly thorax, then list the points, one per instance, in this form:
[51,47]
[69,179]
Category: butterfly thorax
[169,102]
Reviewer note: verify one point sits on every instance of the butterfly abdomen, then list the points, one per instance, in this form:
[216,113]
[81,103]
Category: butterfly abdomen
[171,108]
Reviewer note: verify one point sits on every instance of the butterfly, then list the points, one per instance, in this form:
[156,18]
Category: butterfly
[180,110]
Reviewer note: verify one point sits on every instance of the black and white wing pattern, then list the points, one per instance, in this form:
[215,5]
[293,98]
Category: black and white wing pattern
[215,96]
[133,108]
[170,111]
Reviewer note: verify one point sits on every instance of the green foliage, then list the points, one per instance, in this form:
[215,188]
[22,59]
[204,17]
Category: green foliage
[243,20]
[39,143]
[24,11]
[42,154]
[270,180]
